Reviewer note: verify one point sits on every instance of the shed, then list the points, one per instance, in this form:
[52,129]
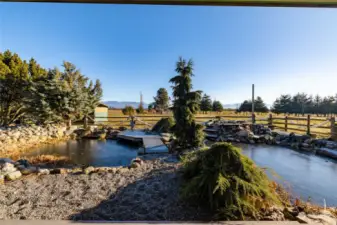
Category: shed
[101,113]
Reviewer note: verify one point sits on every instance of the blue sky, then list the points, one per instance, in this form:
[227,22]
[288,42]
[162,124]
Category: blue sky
[133,48]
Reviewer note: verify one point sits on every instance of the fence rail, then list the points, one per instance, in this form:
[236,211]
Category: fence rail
[308,125]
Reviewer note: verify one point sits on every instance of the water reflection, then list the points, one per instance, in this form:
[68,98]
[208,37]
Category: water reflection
[92,152]
[307,174]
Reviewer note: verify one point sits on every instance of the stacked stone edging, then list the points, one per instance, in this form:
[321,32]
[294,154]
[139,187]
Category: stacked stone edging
[20,137]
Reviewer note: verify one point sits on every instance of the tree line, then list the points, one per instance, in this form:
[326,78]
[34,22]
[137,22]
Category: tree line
[303,103]
[298,104]
[30,93]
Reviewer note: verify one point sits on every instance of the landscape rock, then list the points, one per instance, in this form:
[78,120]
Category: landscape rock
[24,162]
[243,133]
[122,170]
[322,219]
[7,168]
[302,218]
[2,179]
[274,214]
[13,175]
[59,171]
[88,170]
[20,167]
[135,165]
[26,136]
[43,171]
[29,170]
[5,160]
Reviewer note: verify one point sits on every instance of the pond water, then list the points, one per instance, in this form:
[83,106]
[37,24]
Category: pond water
[305,175]
[92,152]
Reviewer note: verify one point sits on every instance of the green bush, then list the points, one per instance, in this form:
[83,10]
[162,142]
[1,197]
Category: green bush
[164,125]
[228,182]
[128,110]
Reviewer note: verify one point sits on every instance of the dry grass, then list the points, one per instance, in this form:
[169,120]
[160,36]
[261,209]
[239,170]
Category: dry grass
[16,153]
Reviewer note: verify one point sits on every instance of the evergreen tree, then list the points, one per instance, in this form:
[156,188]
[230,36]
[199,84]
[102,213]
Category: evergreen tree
[259,105]
[162,100]
[140,109]
[27,89]
[185,106]
[35,71]
[128,110]
[151,106]
[217,106]
[14,82]
[206,103]
[246,106]
[282,104]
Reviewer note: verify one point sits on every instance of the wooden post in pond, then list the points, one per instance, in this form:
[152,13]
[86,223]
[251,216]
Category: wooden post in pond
[270,121]
[308,125]
[286,123]
[333,130]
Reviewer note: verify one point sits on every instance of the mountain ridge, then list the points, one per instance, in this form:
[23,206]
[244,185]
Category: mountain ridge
[122,104]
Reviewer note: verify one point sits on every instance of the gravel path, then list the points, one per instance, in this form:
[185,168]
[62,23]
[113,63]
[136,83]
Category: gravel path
[146,193]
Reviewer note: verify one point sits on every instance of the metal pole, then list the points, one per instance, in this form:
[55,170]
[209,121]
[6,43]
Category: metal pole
[253,117]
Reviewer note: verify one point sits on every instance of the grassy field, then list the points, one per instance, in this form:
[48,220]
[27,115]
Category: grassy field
[295,124]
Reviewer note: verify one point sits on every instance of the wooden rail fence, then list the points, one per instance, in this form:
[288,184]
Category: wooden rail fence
[308,125]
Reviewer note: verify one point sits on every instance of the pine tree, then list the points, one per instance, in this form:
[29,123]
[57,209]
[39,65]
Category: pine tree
[206,103]
[259,106]
[185,106]
[217,106]
[140,109]
[128,110]
[162,100]
[14,82]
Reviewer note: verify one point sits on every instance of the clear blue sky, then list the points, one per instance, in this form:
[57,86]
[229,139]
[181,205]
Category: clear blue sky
[133,48]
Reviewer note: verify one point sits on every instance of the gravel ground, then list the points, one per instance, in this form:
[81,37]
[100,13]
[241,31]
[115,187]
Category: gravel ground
[146,193]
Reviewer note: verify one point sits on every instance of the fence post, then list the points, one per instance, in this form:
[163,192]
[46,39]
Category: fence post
[333,133]
[286,123]
[308,125]
[270,121]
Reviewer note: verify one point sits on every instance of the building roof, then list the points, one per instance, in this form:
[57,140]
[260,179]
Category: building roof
[102,105]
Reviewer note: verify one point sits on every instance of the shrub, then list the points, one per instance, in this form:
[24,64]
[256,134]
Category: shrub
[228,182]
[128,110]
[164,125]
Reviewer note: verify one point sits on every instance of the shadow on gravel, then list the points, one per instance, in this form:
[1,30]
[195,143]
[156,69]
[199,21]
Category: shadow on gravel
[153,198]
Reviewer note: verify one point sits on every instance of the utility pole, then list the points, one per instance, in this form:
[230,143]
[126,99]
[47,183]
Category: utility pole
[253,115]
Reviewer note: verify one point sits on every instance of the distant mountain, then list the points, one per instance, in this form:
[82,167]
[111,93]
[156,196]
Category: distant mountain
[121,105]
[237,105]
[231,106]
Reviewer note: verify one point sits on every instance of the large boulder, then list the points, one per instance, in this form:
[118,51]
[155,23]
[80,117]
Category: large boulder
[243,133]
[13,175]
[23,162]
[5,160]
[29,170]
[7,168]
